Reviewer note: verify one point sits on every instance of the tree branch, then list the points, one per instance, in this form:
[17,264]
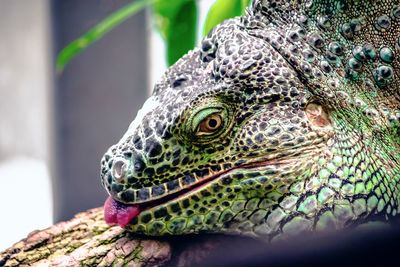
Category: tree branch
[86,241]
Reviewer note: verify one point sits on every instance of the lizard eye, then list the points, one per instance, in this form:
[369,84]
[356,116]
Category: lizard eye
[210,124]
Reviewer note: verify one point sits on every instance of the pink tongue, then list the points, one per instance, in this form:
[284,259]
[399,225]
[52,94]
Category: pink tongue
[118,213]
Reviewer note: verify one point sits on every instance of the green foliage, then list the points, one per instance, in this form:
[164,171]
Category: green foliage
[222,10]
[175,20]
[177,23]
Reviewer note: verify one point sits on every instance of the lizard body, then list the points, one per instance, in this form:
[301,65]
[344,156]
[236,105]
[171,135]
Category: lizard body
[284,120]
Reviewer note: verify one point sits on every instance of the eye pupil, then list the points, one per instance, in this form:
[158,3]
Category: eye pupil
[212,123]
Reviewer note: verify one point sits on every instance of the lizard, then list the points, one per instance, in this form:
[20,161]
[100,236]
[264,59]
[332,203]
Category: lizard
[282,121]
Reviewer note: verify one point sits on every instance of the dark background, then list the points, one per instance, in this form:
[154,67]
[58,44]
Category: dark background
[95,98]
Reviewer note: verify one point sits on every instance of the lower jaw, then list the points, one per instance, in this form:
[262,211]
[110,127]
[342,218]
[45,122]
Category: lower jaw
[140,211]
[122,214]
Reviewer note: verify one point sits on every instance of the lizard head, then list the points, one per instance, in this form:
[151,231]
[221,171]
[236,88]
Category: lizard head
[228,126]
[237,137]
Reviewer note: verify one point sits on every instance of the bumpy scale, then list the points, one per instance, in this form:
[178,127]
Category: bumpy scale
[283,121]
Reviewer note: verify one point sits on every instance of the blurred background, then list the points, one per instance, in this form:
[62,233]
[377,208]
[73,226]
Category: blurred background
[55,126]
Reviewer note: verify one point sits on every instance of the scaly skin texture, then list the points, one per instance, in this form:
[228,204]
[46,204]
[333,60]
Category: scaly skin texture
[284,120]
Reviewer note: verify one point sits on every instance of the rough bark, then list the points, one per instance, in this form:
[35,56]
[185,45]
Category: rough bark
[86,241]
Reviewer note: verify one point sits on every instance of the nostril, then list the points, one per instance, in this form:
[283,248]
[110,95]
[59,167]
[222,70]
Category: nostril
[119,169]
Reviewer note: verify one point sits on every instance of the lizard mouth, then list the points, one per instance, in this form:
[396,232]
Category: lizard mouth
[116,212]
[122,214]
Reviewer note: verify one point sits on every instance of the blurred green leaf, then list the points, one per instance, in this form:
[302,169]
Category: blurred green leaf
[222,10]
[98,31]
[177,23]
[245,3]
